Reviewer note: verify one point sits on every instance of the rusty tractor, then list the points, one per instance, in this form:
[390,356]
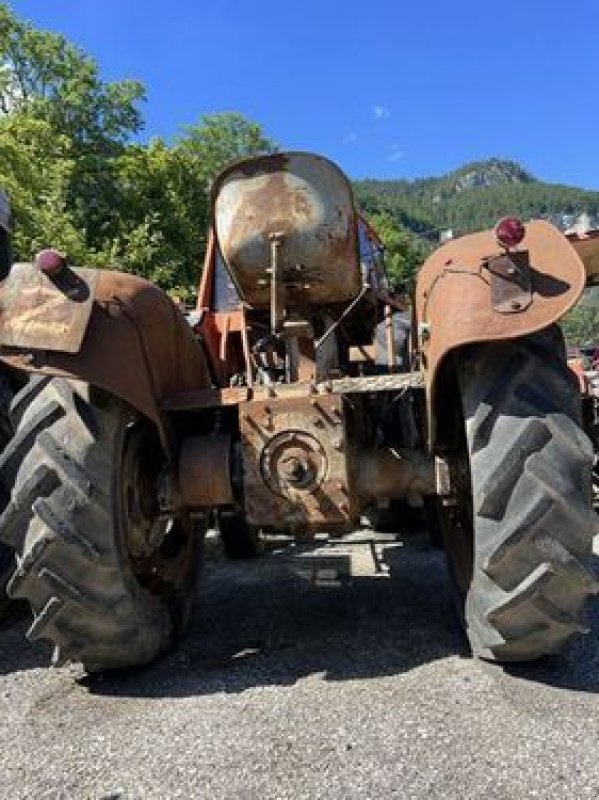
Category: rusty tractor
[298,394]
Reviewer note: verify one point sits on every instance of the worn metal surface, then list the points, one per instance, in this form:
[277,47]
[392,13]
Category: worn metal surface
[137,347]
[295,466]
[511,289]
[210,398]
[39,311]
[204,475]
[375,383]
[206,398]
[587,246]
[308,201]
[453,297]
[388,473]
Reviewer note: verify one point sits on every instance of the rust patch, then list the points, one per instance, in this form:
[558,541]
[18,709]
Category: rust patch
[40,312]
[511,290]
[205,471]
[295,464]
[454,295]
[306,199]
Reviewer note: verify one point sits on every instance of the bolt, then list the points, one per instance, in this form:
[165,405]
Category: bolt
[425,331]
[293,470]
[511,270]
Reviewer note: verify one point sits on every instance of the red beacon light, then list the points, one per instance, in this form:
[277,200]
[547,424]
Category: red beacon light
[50,261]
[510,231]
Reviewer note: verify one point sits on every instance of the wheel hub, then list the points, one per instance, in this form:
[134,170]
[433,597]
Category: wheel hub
[293,462]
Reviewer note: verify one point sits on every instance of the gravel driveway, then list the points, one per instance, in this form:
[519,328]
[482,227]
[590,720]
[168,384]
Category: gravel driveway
[332,676]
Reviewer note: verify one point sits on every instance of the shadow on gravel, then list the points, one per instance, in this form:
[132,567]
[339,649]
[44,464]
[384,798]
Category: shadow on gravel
[264,625]
[15,653]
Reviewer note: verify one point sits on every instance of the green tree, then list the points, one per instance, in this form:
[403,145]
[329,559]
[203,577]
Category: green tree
[219,139]
[76,180]
[404,252]
[581,324]
[162,212]
[57,82]
[161,197]
[36,171]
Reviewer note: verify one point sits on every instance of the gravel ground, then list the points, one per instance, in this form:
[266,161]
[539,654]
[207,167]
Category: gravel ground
[298,680]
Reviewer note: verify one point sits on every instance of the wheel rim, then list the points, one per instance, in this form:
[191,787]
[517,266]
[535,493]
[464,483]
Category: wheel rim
[161,550]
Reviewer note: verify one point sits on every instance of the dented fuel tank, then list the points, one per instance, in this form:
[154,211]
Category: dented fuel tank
[306,203]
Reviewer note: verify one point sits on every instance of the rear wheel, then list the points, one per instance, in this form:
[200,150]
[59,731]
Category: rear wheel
[109,581]
[521,525]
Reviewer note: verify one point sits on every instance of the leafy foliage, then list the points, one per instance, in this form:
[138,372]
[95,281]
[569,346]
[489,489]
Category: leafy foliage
[51,78]
[581,324]
[404,252]
[76,180]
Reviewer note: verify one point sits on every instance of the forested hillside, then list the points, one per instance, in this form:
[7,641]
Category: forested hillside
[473,197]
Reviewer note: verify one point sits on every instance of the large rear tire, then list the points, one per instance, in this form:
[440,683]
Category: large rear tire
[522,526]
[110,583]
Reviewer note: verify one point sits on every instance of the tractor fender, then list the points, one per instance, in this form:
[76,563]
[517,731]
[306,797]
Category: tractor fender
[465,295]
[113,330]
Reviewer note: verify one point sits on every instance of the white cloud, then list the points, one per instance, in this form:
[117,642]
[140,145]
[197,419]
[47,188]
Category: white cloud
[396,154]
[350,138]
[380,112]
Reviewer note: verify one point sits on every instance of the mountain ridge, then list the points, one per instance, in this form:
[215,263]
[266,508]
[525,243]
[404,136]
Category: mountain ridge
[474,196]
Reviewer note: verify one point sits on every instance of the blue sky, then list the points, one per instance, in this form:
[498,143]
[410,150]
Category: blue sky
[386,88]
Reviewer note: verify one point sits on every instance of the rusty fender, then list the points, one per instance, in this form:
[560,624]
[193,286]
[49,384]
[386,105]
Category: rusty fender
[112,330]
[471,290]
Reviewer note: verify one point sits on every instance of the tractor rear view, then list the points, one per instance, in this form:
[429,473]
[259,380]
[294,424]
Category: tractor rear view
[292,399]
